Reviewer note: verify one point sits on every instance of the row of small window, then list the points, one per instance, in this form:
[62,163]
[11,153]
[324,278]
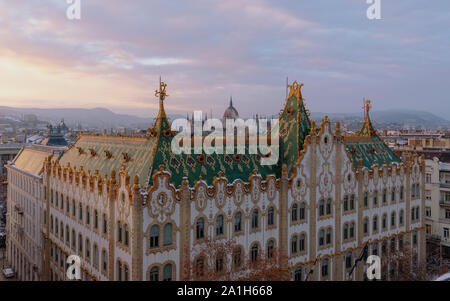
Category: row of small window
[348,205]
[87,215]
[384,222]
[55,229]
[237,256]
[60,258]
[324,266]
[200,224]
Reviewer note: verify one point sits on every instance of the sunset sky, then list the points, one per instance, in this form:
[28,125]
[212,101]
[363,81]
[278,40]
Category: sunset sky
[208,50]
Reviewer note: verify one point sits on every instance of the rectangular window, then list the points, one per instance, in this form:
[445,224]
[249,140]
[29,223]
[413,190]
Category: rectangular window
[446,232]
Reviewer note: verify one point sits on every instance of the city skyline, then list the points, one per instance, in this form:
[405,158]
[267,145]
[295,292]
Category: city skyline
[114,55]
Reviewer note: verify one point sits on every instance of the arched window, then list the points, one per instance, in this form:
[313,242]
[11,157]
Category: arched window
[384,196]
[119,231]
[346,203]
[270,216]
[168,234]
[384,221]
[88,216]
[270,247]
[393,219]
[80,212]
[375,223]
[393,195]
[154,236]
[80,243]
[294,213]
[95,259]
[328,236]
[154,274]
[255,219]
[352,230]
[366,225]
[294,244]
[105,224]
[126,232]
[401,217]
[328,211]
[167,272]
[95,219]
[345,231]
[302,242]
[119,270]
[321,238]
[254,253]
[321,208]
[302,211]
[325,267]
[104,261]
[88,249]
[298,274]
[348,260]
[200,228]
[219,225]
[237,222]
[366,199]
[74,239]
[352,202]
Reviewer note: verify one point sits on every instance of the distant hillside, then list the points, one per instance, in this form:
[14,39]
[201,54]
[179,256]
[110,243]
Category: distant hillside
[104,118]
[97,117]
[391,119]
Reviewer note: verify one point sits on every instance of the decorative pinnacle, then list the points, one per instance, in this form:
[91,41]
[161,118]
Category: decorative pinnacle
[161,93]
[367,107]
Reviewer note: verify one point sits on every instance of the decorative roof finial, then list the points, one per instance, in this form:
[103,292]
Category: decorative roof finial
[367,107]
[162,94]
[231,100]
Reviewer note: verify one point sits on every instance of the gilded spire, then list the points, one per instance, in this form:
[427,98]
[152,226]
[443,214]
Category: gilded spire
[161,94]
[161,121]
[366,129]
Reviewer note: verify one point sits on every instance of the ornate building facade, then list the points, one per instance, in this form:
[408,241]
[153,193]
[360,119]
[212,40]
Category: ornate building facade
[134,210]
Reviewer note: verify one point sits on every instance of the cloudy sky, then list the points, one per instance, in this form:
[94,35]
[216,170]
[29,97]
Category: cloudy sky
[208,50]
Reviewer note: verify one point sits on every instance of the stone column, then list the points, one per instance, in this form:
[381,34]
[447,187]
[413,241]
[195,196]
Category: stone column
[112,195]
[184,231]
[137,236]
[283,228]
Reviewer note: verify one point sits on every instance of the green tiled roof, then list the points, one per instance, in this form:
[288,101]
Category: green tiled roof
[368,147]
[294,126]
